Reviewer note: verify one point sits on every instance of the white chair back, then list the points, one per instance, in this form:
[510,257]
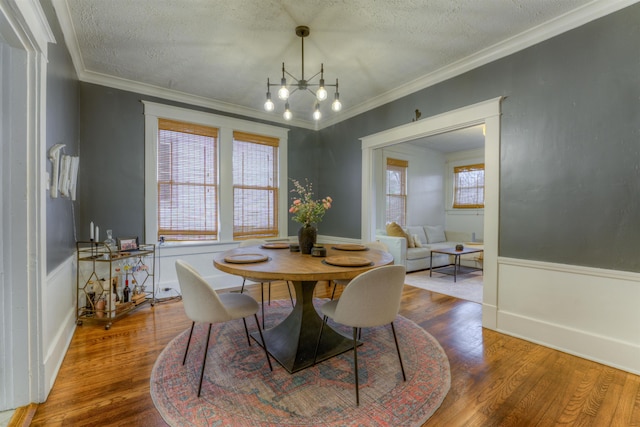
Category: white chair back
[372,298]
[201,302]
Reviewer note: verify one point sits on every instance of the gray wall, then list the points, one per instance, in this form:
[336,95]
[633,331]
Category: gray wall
[62,127]
[570,149]
[112,164]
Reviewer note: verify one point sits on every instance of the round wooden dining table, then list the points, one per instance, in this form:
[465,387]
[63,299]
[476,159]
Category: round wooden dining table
[293,341]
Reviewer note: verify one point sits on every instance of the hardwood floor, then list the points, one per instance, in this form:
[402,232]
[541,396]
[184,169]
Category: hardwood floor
[496,380]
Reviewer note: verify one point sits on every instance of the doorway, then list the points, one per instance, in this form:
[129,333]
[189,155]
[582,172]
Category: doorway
[487,113]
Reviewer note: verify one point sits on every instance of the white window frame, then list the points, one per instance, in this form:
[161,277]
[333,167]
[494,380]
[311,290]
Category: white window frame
[406,186]
[226,126]
[461,159]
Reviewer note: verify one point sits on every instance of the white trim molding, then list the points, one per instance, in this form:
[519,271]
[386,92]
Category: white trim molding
[25,34]
[589,312]
[487,112]
[226,126]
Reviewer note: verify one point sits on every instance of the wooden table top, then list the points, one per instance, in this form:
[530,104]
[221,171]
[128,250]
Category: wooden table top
[285,265]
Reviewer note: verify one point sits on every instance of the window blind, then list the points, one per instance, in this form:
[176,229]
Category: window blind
[255,186]
[468,190]
[187,181]
[396,199]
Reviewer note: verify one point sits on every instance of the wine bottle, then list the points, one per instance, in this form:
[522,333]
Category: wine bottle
[117,283]
[126,291]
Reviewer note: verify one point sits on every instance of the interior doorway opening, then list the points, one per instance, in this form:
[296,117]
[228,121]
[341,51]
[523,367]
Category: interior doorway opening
[485,113]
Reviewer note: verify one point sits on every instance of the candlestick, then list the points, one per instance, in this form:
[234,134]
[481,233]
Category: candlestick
[91,230]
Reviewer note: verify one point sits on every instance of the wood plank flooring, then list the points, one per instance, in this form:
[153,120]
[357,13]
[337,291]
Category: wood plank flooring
[496,380]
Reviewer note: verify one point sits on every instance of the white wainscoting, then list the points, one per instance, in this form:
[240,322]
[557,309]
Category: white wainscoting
[201,258]
[589,312]
[59,318]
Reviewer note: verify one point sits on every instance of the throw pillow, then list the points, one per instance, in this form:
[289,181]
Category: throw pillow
[395,230]
[435,233]
[416,241]
[410,242]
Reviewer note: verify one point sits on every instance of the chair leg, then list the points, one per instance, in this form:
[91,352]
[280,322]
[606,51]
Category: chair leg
[246,330]
[335,285]
[188,342]
[395,338]
[315,354]
[290,295]
[262,302]
[355,364]
[204,359]
[244,279]
[264,343]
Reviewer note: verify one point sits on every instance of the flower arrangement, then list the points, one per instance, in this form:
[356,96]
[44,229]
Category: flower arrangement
[304,208]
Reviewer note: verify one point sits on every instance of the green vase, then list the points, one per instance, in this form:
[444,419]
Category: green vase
[307,236]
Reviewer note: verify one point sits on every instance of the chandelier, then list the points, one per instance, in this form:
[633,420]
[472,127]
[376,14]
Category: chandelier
[287,89]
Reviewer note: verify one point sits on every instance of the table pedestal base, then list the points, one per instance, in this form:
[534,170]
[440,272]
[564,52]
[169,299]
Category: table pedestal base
[293,341]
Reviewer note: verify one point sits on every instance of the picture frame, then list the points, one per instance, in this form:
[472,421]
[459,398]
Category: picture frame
[128,243]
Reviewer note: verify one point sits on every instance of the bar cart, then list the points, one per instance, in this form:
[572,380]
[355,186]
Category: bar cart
[112,282]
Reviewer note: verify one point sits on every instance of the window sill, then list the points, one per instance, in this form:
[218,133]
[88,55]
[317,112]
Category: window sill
[453,211]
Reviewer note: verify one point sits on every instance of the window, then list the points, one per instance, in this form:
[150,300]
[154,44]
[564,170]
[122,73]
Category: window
[187,181]
[202,186]
[255,186]
[468,190]
[396,181]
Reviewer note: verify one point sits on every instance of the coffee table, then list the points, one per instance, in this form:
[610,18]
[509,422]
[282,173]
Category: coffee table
[456,259]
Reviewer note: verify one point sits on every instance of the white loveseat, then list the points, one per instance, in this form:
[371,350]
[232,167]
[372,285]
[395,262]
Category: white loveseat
[429,237]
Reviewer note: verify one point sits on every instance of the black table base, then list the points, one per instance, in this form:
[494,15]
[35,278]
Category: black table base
[293,341]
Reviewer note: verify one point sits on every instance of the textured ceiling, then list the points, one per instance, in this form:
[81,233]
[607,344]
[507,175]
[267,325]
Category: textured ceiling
[220,53]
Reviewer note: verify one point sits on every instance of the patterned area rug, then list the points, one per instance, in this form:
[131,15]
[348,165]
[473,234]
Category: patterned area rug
[239,390]
[467,286]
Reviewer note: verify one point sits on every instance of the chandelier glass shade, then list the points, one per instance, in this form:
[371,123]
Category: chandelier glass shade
[286,89]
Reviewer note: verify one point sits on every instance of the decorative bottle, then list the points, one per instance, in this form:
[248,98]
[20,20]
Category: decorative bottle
[110,243]
[126,292]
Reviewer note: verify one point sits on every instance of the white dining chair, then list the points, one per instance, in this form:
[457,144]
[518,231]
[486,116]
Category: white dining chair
[371,299]
[258,242]
[203,304]
[344,282]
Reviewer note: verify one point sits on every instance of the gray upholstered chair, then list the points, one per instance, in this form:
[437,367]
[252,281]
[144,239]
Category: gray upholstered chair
[258,242]
[371,299]
[203,304]
[344,282]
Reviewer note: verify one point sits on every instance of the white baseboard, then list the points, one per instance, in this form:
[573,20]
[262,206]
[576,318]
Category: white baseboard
[489,316]
[610,352]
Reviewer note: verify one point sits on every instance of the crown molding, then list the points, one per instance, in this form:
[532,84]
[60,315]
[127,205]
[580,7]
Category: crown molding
[563,23]
[540,33]
[177,96]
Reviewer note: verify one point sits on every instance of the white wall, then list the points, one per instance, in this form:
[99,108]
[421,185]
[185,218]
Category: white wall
[59,310]
[425,183]
[469,220]
[429,188]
